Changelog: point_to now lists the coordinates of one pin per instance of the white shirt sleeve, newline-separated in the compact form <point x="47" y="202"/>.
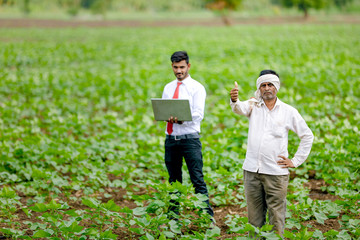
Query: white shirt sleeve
<point x="306" y="136"/>
<point x="198" y="106"/>
<point x="241" y="108"/>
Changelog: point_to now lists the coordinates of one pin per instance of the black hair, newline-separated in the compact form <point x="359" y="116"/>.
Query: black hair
<point x="268" y="71"/>
<point x="179" y="56"/>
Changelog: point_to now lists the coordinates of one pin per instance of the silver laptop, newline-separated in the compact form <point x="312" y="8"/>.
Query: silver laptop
<point x="165" y="108"/>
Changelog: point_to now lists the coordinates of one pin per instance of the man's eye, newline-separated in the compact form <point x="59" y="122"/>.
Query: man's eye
<point x="269" y="85"/>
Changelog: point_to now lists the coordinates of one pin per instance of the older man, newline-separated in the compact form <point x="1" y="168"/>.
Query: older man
<point x="266" y="165"/>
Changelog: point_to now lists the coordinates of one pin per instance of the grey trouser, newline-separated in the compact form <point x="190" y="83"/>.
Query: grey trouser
<point x="266" y="192"/>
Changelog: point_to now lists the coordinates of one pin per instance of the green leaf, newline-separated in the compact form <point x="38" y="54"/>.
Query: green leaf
<point x="266" y="227"/>
<point x="53" y="205"/>
<point x="108" y="235"/>
<point x="202" y="197"/>
<point x="270" y="235"/>
<point x="126" y="210"/>
<point x="318" y="234"/>
<point x="7" y="192"/>
<point x="200" y="204"/>
<point x="154" y="205"/>
<point x="149" y="237"/>
<point x="42" y="234"/>
<point x="111" y="206"/>
<point x="73" y="228"/>
<point x="249" y="227"/>
<point x="72" y="213"/>
<point x="168" y="234"/>
<point x="7" y="231"/>
<point x="304" y="234"/>
<point x="290" y="223"/>
<point x="39" y="207"/>
<point x="331" y="233"/>
<point x="137" y="230"/>
<point x="288" y="234"/>
<point x="215" y="232"/>
<point x="320" y="217"/>
<point x="345" y="218"/>
<point x="91" y="202"/>
<point x="162" y="236"/>
<point x="26" y="211"/>
<point x="139" y="211"/>
<point x="344" y="235"/>
<point x="92" y="231"/>
<point x="175" y="227"/>
<point x="141" y="197"/>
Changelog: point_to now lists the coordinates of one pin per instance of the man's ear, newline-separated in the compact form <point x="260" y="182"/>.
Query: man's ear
<point x="189" y="65"/>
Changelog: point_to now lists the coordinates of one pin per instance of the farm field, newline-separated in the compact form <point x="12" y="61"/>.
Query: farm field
<point x="82" y="157"/>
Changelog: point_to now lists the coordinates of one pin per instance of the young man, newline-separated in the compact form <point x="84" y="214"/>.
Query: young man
<point x="182" y="138"/>
<point x="266" y="173"/>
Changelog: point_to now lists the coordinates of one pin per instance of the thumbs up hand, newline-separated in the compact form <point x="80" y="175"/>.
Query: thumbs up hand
<point x="234" y="93"/>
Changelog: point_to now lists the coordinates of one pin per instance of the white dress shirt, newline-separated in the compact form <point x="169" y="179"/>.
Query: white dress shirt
<point x="195" y="92"/>
<point x="268" y="136"/>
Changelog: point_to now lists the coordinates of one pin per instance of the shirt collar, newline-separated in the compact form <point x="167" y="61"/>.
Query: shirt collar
<point x="277" y="103"/>
<point x="185" y="80"/>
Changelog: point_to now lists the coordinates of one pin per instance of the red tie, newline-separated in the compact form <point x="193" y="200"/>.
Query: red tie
<point x="176" y="96"/>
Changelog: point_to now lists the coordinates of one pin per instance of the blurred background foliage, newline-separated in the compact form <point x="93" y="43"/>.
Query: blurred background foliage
<point x="112" y="9"/>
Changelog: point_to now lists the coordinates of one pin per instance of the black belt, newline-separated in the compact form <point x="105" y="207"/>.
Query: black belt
<point x="185" y="136"/>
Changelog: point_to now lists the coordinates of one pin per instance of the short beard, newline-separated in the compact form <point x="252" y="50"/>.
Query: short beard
<point x="184" y="76"/>
<point x="268" y="97"/>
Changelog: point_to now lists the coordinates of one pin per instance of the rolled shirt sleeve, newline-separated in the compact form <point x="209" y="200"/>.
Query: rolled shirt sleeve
<point x="242" y="108"/>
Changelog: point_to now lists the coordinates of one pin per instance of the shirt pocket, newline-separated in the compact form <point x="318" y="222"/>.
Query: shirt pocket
<point x="278" y="129"/>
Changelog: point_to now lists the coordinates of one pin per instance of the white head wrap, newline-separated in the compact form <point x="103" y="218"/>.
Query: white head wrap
<point x="271" y="78"/>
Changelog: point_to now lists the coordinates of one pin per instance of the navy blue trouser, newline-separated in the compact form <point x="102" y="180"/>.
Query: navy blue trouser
<point x="190" y="150"/>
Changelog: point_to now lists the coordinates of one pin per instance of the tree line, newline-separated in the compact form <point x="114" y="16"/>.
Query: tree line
<point x="223" y="7"/>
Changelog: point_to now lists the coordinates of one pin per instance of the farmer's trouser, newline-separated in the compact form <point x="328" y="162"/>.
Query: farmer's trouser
<point x="266" y="192"/>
